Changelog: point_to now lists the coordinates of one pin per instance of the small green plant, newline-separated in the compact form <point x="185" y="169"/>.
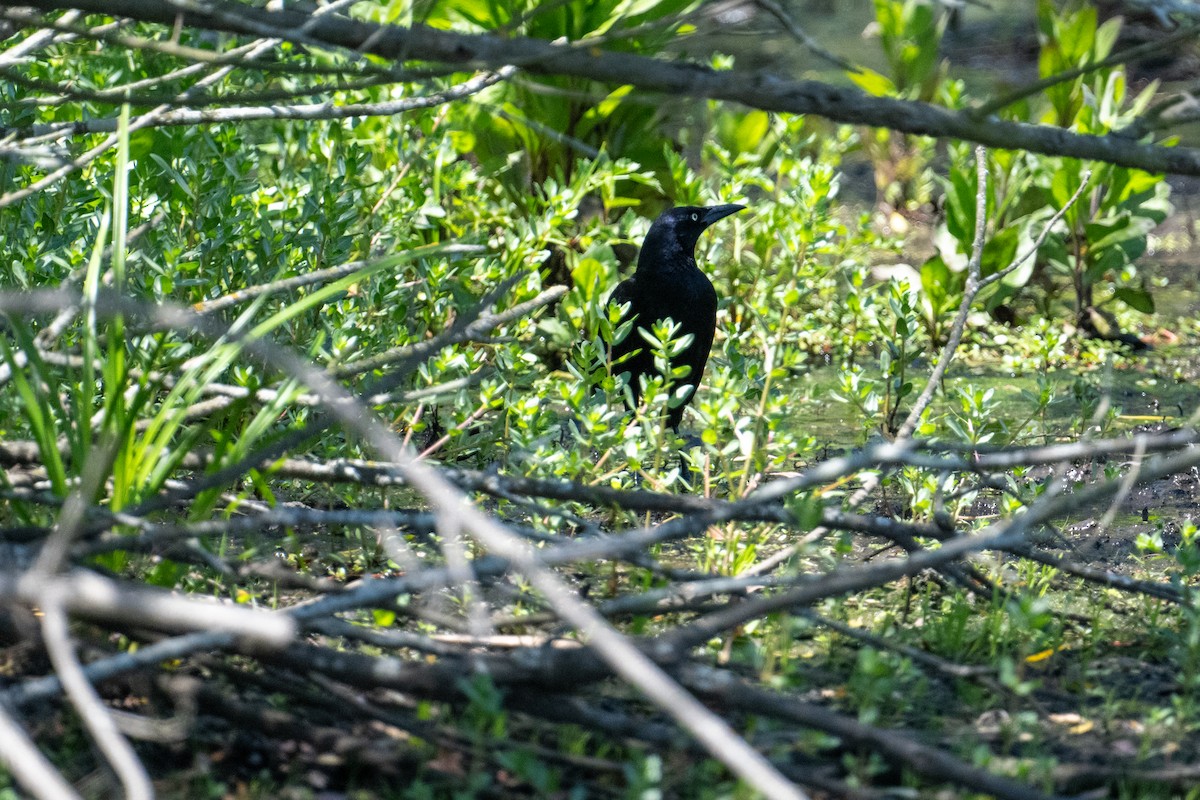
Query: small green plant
<point x="975" y="417"/>
<point x="882" y="686"/>
<point x="883" y="400"/>
<point x="1092" y="253"/>
<point x="910" y="34"/>
<point x="526" y="131"/>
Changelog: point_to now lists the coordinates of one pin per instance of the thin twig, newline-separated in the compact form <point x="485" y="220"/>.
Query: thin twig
<point x="27" y="764"/>
<point x="96" y="718"/>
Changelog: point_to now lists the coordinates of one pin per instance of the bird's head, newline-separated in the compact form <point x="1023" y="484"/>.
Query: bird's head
<point x="677" y="230"/>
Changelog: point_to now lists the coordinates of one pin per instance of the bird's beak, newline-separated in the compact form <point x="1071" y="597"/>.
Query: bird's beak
<point x="714" y="213"/>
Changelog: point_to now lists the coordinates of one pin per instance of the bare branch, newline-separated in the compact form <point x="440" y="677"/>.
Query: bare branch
<point x="970" y="290"/>
<point x="96" y="718"/>
<point x="1125" y="56"/>
<point x="306" y="111"/>
<point x="759" y="89"/>
<point x="94" y="597"/>
<point x="27" y="764"/>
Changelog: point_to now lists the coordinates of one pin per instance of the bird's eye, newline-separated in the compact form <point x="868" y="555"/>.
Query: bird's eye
<point x="695" y="217"/>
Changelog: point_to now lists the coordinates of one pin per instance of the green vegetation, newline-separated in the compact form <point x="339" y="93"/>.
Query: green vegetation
<point x="448" y="267"/>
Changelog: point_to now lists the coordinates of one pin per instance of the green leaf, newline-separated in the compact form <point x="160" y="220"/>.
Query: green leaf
<point x="36" y="404"/>
<point x="936" y="280"/>
<point x="873" y="82"/>
<point x="588" y="277"/>
<point x="960" y="205"/>
<point x="1105" y="38"/>
<point x="1124" y="231"/>
<point x="1000" y="251"/>
<point x="1022" y="240"/>
<point x="1066" y="181"/>
<point x="751" y="130"/>
<point x="1137" y="299"/>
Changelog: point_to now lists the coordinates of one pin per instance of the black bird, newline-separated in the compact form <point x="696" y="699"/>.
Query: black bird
<point x="667" y="283"/>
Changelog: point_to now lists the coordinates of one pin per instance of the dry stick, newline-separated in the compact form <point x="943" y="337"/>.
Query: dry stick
<point x="1187" y="9"/>
<point x="1127" y="484"/>
<point x="179" y="647"/>
<point x="388" y="638"/>
<point x="96" y="717"/>
<point x="796" y="32"/>
<point x="337" y="695"/>
<point x="79" y="162"/>
<point x="71" y="518"/>
<point x="370" y="749"/>
<point x="996" y="458"/>
<point x="1079" y="778"/>
<point x="155" y="535"/>
<point x="531" y="674"/>
<point x="17" y="54"/>
<point x="465" y="329"/>
<point x="110" y="34"/>
<point x="672" y="599"/>
<point x="681" y="640"/>
<point x="393" y="591"/>
<point x="374" y="752"/>
<point x="126" y="93"/>
<point x="958" y="327"/>
<point x="762" y="89"/>
<point x="974" y="284"/>
<point x="621" y="724"/>
<point x="89" y="595"/>
<point x="1176" y="463"/>
<point x="704" y="512"/>
<point x="49" y="595"/>
<point x="950" y="668"/>
<point x="225" y="394"/>
<point x="228" y="395"/>
<point x="26" y="763"/>
<point x="1184" y="111"/>
<point x="142" y="121"/>
<point x="1129" y="54"/>
<point x="1007" y="535"/>
<point x="65" y="316"/>
<point x="977" y="460"/>
<point x="625" y="659"/>
<point x="30" y="154"/>
<point x="37" y="40"/>
<point x="13" y="55"/>
<point x="236" y="57"/>
<point x="615" y="649"/>
<point x="158" y="535"/>
<point x="470" y="420"/>
<point x="121" y="93"/>
<point x="304" y="111"/>
<point x="1124" y="583"/>
<point x="454" y="548"/>
<point x="893" y="745"/>
<point x="468" y="327"/>
<point x="384" y="673"/>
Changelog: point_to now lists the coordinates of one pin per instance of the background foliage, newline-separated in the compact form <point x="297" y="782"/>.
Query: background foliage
<point x="371" y="244"/>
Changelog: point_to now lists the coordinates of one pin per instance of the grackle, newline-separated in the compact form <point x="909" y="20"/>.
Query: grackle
<point x="667" y="283"/>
